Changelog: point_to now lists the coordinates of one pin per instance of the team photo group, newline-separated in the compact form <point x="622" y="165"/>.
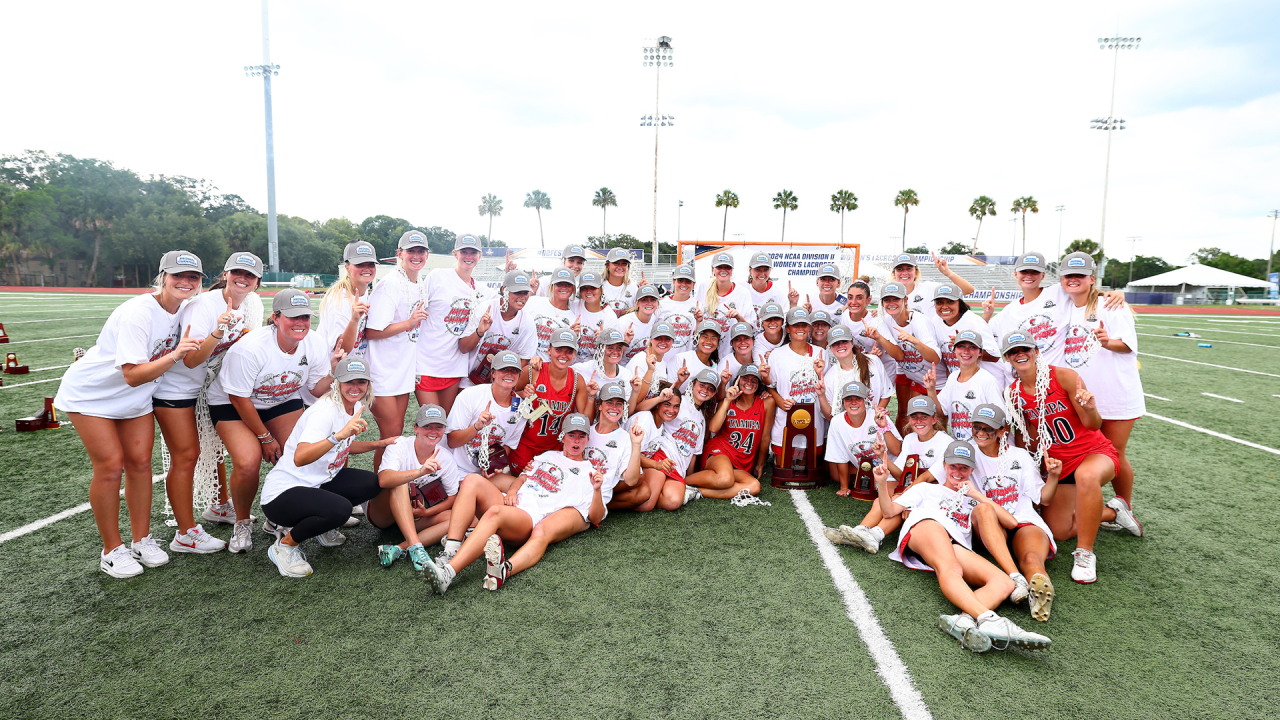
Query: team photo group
<point x="548" y="402"/>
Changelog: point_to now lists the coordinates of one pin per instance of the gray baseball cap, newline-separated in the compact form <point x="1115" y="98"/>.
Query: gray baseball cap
<point x="1016" y="339"/>
<point x="893" y="289"/>
<point x="968" y="336"/>
<point x="562" y="275"/>
<point x="749" y="369"/>
<point x="853" y="388"/>
<point x="359" y="252"/>
<point x="706" y="325"/>
<point x="563" y="339"/>
<point x="820" y="316"/>
<point x="990" y="415"/>
<point x="246" y="261"/>
<point x="430" y="415"/>
<point x="722" y="258"/>
<point x="588" y="279"/>
<point x="760" y="259"/>
<point x="291" y="303"/>
<point x="352" y="368"/>
<point x="466" y="240"/>
<point x="905" y="259"/>
<point x="575" y="422"/>
<point x="516" y="281"/>
<point x="647" y="291"/>
<point x="960" y="453"/>
<point x="922" y="404"/>
<point x="682" y="271"/>
<point x="708" y="376"/>
<point x="412" y="238"/>
<point x="610" y="336"/>
<point x="177" y="261"/>
<point x="830" y="271"/>
<point x="505" y="360"/>
<point x="797" y="316"/>
<point x="948" y="292"/>
<point x="611" y="391"/>
<point x="839" y="333"/>
<point x="1076" y="263"/>
<point x="741" y="330"/>
<point x="618" y="255"/>
<point x="1030" y="261"/>
<point x="572" y="251"/>
<point x="663" y="330"/>
<point x="771" y="310"/>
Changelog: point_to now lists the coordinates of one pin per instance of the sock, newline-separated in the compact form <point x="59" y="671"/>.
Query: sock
<point x="877" y="533"/>
<point x="988" y="615"/>
<point x="451" y="546"/>
<point x="966" y="615"/>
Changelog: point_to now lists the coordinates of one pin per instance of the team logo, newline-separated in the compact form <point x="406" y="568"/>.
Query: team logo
<point x="928" y="453"/>
<point x="546" y="479"/>
<point x="803" y="389"/>
<point x="862" y="450"/>
<point x="1050" y="304"/>
<point x="918" y="298"/>
<point x="612" y="444"/>
<point x="1003" y="490"/>
<point x="960" y="422"/>
<point x="275" y="388"/>
<point x="303" y="362"/>
<point x="299" y="301"/>
<point x="247" y="260"/>
<point x="686" y="437"/>
<point x="1016" y="465"/>
<point x="511" y="419"/>
<point x="163" y="347"/>
<point x="1075" y="340"/>
<point x="597" y="458"/>
<point x="682" y="325"/>
<point x="970" y="396"/>
<point x="573" y="470"/>
<point x="871" y="430"/>
<point x="458" y="316"/>
<point x="190" y="260"/>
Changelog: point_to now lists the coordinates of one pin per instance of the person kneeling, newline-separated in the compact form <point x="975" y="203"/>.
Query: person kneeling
<point x="558" y="497"/>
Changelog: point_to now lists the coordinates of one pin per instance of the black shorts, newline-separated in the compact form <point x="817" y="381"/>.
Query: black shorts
<point x="1070" y="479"/>
<point x="227" y="413"/>
<point x="173" y="404"/>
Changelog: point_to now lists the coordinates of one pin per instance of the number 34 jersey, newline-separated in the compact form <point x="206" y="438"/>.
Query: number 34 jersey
<point x="740" y="436"/>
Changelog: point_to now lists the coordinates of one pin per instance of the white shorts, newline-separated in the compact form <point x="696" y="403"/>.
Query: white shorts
<point x="392" y="366"/>
<point x="535" y="514"/>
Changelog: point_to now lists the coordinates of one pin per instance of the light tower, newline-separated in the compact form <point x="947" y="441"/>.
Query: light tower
<point x="1109" y="123"/>
<point x="266" y="71"/>
<point x="657" y="56"/>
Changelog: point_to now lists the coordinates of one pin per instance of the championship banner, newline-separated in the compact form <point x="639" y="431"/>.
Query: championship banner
<point x="791" y="261"/>
<point x="637" y="256"/>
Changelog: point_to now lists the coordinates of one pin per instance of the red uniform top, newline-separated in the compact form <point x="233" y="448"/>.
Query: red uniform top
<point x="543" y="435"/>
<point x="741" y="435"/>
<point x="1069" y="440"/>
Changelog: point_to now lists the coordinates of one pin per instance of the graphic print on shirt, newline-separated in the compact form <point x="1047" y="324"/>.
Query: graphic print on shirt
<point x="721" y="318"/>
<point x="236" y="328"/>
<point x="804" y="386"/>
<point x="163" y="347"/>
<point x="960" y="419"/>
<point x="1075" y="340"/>
<point x="280" y="385"/>
<point x="492" y="344"/>
<point x="1002" y="489"/>
<point x="340" y="460"/>
<point x="413" y="332"/>
<point x="686" y="437"/>
<point x="458" y="316"/>
<point x="682" y="325"/>
<point x="545" y="480"/>
<point x="1040" y="327"/>
<point x="617" y="305"/>
<point x="545" y="325"/>
<point x="958" y="507"/>
<point x="598" y="459"/>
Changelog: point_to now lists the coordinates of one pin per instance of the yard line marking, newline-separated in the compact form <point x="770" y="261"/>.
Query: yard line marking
<point x="89" y="317"/>
<point x="1214" y="433"/>
<point x="889" y="666"/>
<point x="1224" y="367"/>
<point x="1156" y="397"/>
<point x="1211" y="329"/>
<point x="76" y="302"/>
<point x="34" y="382"/>
<point x="69" y="512"/>
<point x="1228" y="342"/>
<point x="69" y="337"/>
<point x="1222" y="397"/>
<point x="51" y="367"/>
<point x="61" y="310"/>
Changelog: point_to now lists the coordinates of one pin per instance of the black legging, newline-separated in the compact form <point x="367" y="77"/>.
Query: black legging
<point x="315" y="511"/>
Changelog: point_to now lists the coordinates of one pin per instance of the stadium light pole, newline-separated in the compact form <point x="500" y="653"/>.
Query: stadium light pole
<point x="1274" y="215"/>
<point x="1015" y="235"/>
<point x="659" y="55"/>
<point x="1133" y="254"/>
<point x="679" y="210"/>
<point x="1109" y="123"/>
<point x="1059" y="210"/>
<point x="266" y="71"/>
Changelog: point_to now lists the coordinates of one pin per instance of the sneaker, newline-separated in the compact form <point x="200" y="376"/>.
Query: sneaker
<point x="1124" y="516"/>
<point x="447" y="554"/>
<point x="119" y="563"/>
<point x="963" y="628"/>
<point x="1020" y="587"/>
<point x="835" y="536"/>
<point x="289" y="560"/>
<point x="332" y="538"/>
<point x="690" y="493"/>
<point x="1085" y="568"/>
<point x="495" y="561"/>
<point x="860" y="537"/>
<point x="223" y="514"/>
<point x="197" y="541"/>
<point x="388" y="554"/>
<point x="241" y="537"/>
<point x="147" y="551"/>
<point x="438" y="576"/>
<point x="1041" y="597"/>
<point x="418" y="556"/>
<point x="357" y="509"/>
<point x="351" y="521"/>
<point x="271" y="528"/>
<point x="1003" y="633"/>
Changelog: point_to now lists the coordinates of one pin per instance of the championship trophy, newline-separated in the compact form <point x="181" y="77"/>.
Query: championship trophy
<point x="910" y="470"/>
<point x="798" y="468"/>
<point x="863" y="486"/>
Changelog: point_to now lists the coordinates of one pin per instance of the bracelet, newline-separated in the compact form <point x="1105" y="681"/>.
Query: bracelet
<point x="265" y="437"/>
<point x="176" y="358"/>
<point x="219" y="337"/>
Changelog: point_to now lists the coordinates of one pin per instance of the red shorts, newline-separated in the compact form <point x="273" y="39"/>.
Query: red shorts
<point x="659" y="456"/>
<point x="430" y="384"/>
<point x="717" y="446"/>
<point x="902" y="381"/>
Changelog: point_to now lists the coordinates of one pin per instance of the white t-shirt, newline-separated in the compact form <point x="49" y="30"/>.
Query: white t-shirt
<point x="787" y="369"/>
<point x="618" y="297"/>
<point x="921" y="299"/>
<point x="403" y="457"/>
<point x="1017" y="489"/>
<point x="739" y="298"/>
<point x="315" y="425"/>
<point x="138" y="331"/>
<point x="679" y="315"/>
<point x="507" y="424"/>
<point x="592" y="324"/>
<point x="201" y="315"/>
<point x="763" y="345"/>
<point x="555" y="483"/>
<point x="1112" y="377"/>
<point x="850" y="443"/>
<point x="943" y="333"/>
<point x="518" y="335"/>
<point x="835" y="308"/>
<point x="734" y="365"/>
<point x="1041" y="318"/>
<point x="650" y="443"/>
<point x="881" y="385"/>
<point x="640" y="334"/>
<point x="609" y="454"/>
<point x="930" y="501"/>
<point x="393" y="360"/>
<point x="335" y="316"/>
<point x="688" y="358"/>
<point x="587" y="367"/>
<point x="682" y="437"/>
<point x="930" y="451"/>
<point x="451" y="305"/>
<point x="913" y="365"/>
<point x="258" y="369"/>
<point x="547" y="318"/>
<point x="774" y="291"/>
<point x="660" y="372"/>
<point x="959" y="399"/>
<point x="859" y="328"/>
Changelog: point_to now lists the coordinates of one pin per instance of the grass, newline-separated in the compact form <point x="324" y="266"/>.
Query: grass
<point x="709" y="611"/>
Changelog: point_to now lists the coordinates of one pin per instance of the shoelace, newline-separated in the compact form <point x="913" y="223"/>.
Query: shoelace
<point x="1081" y="557"/>
<point x="147" y="543"/>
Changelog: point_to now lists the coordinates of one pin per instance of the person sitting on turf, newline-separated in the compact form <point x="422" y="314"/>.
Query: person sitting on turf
<point x="549" y="384"/>
<point x="559" y="496"/>
<point x="855" y="438"/>
<point x="938" y="536"/>
<point x="419" y="481"/>
<point x="310" y="491"/>
<point x="484" y="423"/>
<point x="682" y="441"/>
<point x="735" y="456"/>
<point x="615" y="451"/>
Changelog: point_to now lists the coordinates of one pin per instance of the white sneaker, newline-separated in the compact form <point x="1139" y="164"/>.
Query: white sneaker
<point x="241" y="537"/>
<point x="351" y="521"/>
<point x="197" y="541"/>
<point x="861" y="537"/>
<point x="835" y="536"/>
<point x="119" y="563"/>
<point x="223" y="514"/>
<point x="1004" y="633"/>
<point x="1020" y="587"/>
<point x="333" y="538"/>
<point x="289" y="560"/>
<point x="690" y="493"/>
<point x="1041" y="597"/>
<point x="1085" y="568"/>
<point x="147" y="551"/>
<point x="357" y="509"/>
<point x="496" y="565"/>
<point x="1124" y="516"/>
<point x="963" y="628"/>
<point x="438" y="576"/>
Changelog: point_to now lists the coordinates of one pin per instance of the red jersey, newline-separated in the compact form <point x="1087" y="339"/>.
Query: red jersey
<point x="543" y="435"/>
<point x="741" y="435"/>
<point x="1069" y="440"/>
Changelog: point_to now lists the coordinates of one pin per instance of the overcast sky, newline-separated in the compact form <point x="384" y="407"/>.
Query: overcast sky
<point x="417" y="110"/>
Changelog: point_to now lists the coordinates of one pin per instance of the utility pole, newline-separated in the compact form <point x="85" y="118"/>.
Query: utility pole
<point x="266" y="71"/>
<point x="1059" y="210"/>
<point x="659" y="55"/>
<point x="1133" y="254"/>
<point x="1272" y="251"/>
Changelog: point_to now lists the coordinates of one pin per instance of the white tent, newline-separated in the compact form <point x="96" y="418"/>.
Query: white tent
<point x="1194" y="281"/>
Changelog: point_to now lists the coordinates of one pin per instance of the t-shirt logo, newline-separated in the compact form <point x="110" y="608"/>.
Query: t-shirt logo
<point x="1016" y="465"/>
<point x="918" y="298"/>
<point x="1074" y="342"/>
<point x="686" y="437"/>
<point x="303" y="361"/>
<point x="597" y="458"/>
<point x="1049" y="304"/>
<point x="277" y="388"/>
<point x="928" y="453"/>
<point x="458" y="316"/>
<point x="547" y="478"/>
<point x="803" y="389"/>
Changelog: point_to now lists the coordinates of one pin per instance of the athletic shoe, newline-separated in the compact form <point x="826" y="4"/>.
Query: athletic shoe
<point x="351" y="521"/>
<point x="1020" y="587"/>
<point x="495" y="562"/>
<point x="1124" y="516"/>
<point x="963" y="628"/>
<point x="388" y="554"/>
<point x="860" y="537"/>
<point x="835" y="536"/>
<point x="241" y="537"/>
<point x="271" y="528"/>
<point x="437" y="576"/>
<point x="119" y="563"/>
<point x="357" y="509"/>
<point x="223" y="514"/>
<point x="147" y="551"/>
<point x="1085" y="568"/>
<point x="1003" y="633"/>
<point x="332" y="538"/>
<point x="690" y="493"/>
<point x="197" y="541"/>
<point x="289" y="560"/>
<point x="447" y="554"/>
<point x="1041" y="597"/>
<point x="419" y="557"/>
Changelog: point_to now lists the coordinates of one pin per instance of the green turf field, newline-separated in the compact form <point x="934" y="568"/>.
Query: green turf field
<point x="711" y="611"/>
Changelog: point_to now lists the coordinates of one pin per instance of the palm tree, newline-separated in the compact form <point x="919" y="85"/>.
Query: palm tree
<point x="982" y="206"/>
<point x="1022" y="205"/>
<point x="490" y="205"/>
<point x="785" y="200"/>
<point x="726" y="199"/>
<point x="843" y="201"/>
<point x="539" y="201"/>
<point x="906" y="198"/>
<point x="604" y="198"/>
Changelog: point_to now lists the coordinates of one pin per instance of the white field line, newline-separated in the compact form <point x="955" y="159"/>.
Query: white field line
<point x="69" y="512"/>
<point x="1222" y="397"/>
<point x="77" y="303"/>
<point x="858" y="609"/>
<point x="1216" y="434"/>
<point x="1210" y="329"/>
<point x="88" y="317"/>
<point x="1157" y="397"/>
<point x="59" y="310"/>
<point x="1264" y="319"/>
<point x="68" y="337"/>
<point x="1224" y="367"/>
<point x="1211" y="340"/>
<point x="51" y="367"/>
<point x="34" y="382"/>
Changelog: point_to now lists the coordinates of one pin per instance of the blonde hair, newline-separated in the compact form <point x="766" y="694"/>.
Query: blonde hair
<point x="346" y="285"/>
<point x="626" y="277"/>
<point x="157" y="284"/>
<point x="712" y="300"/>
<point x="335" y="394"/>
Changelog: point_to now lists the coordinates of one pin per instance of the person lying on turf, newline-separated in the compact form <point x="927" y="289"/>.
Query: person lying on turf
<point x="938" y="536"/>
<point x="559" y="496"/>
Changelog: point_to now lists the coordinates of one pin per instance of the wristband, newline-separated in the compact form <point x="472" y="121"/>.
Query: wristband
<point x="333" y="438"/>
<point x="219" y="337"/>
